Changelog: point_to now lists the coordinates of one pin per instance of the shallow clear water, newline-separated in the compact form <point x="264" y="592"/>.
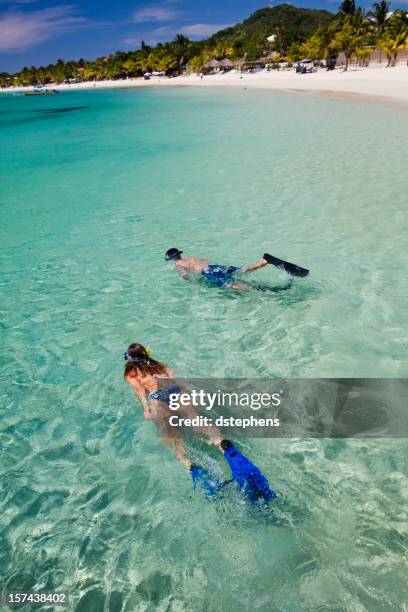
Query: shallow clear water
<point x="95" y="187"/>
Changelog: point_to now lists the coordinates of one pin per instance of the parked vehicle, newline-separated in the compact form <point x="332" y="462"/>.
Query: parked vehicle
<point x="305" y="66"/>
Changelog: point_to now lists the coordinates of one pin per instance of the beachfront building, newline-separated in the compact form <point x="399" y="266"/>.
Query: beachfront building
<point x="374" y="57"/>
<point x="226" y="64"/>
<point x="378" y="56"/>
<point x="214" y="66"/>
<point x="211" y="67"/>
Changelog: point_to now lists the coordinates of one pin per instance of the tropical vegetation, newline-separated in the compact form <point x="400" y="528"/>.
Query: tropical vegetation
<point x="299" y="33"/>
<point x="355" y="34"/>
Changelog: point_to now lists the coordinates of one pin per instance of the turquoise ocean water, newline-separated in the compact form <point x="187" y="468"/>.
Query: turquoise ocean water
<point x="95" y="186"/>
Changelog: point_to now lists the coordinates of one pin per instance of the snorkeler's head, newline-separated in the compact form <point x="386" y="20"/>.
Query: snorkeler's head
<point x="173" y="254"/>
<point x="139" y="362"/>
<point x="136" y="352"/>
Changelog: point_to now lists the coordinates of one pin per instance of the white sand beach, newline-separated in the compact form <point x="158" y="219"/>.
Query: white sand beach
<point x="383" y="84"/>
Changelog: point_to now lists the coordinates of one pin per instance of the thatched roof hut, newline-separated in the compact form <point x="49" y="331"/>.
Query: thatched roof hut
<point x="212" y="64"/>
<point x="226" y="63"/>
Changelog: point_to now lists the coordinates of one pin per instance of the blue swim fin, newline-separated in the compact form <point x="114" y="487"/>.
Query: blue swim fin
<point x="249" y="478"/>
<point x="201" y="477"/>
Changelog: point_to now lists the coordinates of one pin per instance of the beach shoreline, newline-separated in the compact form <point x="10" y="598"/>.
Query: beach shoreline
<point x="379" y="84"/>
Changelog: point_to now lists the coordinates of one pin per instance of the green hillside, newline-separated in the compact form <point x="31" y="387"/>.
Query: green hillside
<point x="294" y="24"/>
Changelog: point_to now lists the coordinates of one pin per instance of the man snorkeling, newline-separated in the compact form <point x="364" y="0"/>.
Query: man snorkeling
<point x="222" y="275"/>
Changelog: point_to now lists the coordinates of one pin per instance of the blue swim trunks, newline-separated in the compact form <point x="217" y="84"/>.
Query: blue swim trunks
<point x="221" y="276"/>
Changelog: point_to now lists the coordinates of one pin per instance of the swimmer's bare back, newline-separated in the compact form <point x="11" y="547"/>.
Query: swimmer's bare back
<point x="145" y="384"/>
<point x="191" y="265"/>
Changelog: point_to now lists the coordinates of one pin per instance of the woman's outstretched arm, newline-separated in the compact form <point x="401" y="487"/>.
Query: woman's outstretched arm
<point x="141" y="395"/>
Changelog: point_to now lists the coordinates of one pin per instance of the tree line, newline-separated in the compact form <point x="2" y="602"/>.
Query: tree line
<point x="355" y="33"/>
<point x="300" y="33"/>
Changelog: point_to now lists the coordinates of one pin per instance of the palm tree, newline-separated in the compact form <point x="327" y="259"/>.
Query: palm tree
<point x="143" y="63"/>
<point x="359" y="22"/>
<point x="24" y="77"/>
<point x="5" y="79"/>
<point x="196" y="63"/>
<point x="398" y="21"/>
<point x="167" y="63"/>
<point x="379" y="15"/>
<point x="348" y="40"/>
<point x="222" y="49"/>
<point x="348" y="7"/>
<point x="129" y="66"/>
<point x="311" y="48"/>
<point x="88" y="72"/>
<point x="113" y="70"/>
<point x="181" y="40"/>
<point x="393" y="43"/>
<point x="59" y="72"/>
<point x="363" y="54"/>
<point x="323" y="41"/>
<point x="99" y="67"/>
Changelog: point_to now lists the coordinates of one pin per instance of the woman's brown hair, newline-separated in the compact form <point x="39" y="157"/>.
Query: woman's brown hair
<point x="139" y="362"/>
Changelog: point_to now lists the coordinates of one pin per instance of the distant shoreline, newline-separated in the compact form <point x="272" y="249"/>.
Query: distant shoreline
<point x="381" y="84"/>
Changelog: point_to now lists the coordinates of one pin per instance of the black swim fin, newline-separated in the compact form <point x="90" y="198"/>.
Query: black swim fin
<point x="290" y="268"/>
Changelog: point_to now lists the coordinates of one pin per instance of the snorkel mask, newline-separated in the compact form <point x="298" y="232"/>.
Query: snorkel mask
<point x="138" y="357"/>
<point x="172" y="254"/>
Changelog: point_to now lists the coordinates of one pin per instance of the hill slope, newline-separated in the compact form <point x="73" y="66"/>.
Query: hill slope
<point x="294" y="25"/>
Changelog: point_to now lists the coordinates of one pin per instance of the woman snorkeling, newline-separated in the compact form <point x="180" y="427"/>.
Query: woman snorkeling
<point x="147" y="377"/>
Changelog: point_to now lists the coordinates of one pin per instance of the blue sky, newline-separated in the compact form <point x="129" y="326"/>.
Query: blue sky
<point x="37" y="32"/>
